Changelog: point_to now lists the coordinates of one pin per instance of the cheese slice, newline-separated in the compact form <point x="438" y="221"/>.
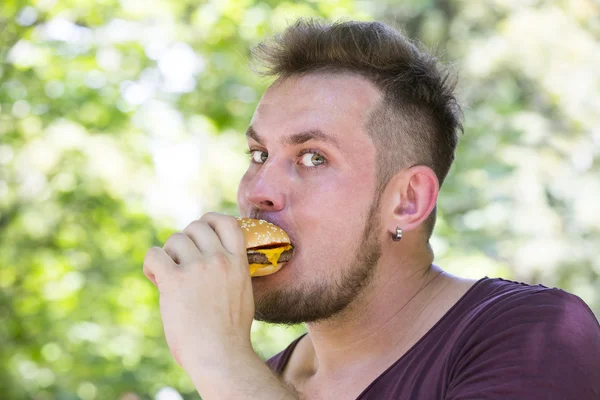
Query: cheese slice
<point x="273" y="254"/>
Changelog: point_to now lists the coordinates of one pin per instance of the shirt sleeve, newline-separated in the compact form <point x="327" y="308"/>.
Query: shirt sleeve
<point x="545" y="345"/>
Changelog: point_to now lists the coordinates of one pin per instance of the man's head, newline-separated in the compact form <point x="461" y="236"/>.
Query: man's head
<point x="353" y="139"/>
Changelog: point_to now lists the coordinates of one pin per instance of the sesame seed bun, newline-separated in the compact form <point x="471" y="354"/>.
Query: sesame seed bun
<point x="268" y="246"/>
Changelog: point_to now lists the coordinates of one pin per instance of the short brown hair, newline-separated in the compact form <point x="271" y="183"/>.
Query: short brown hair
<point x="418" y="119"/>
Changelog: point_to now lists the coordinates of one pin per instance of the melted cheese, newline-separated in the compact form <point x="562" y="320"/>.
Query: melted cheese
<point x="254" y="267"/>
<point x="271" y="254"/>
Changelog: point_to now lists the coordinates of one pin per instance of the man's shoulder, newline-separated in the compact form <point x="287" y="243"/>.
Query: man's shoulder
<point x="522" y="309"/>
<point x="527" y="341"/>
<point x="507" y="297"/>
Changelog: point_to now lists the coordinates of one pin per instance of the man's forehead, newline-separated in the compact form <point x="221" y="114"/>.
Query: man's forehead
<point x="289" y="126"/>
<point x="334" y="92"/>
<point x="332" y="110"/>
<point x="331" y="104"/>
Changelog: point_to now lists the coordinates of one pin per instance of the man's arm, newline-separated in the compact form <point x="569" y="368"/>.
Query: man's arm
<point x="543" y="346"/>
<point x="246" y="377"/>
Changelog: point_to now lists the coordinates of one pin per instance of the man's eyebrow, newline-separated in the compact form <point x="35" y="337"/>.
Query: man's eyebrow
<point x="297" y="138"/>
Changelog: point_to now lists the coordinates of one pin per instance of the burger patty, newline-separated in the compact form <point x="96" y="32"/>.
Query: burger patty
<point x="259" y="258"/>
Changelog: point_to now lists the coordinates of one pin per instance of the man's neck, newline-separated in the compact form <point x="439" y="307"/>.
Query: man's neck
<point x="386" y="318"/>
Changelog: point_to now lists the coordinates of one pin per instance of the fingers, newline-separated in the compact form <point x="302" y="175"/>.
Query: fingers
<point x="228" y="231"/>
<point x="203" y="236"/>
<point x="157" y="264"/>
<point x="213" y="233"/>
<point x="181" y="248"/>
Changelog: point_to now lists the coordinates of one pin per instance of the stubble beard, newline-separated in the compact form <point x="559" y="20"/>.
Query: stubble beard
<point x="322" y="300"/>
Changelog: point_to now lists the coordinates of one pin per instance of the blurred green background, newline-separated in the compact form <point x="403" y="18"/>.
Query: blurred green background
<point x="122" y="120"/>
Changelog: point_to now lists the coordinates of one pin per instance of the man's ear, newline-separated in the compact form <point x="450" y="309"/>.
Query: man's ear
<point x="409" y="198"/>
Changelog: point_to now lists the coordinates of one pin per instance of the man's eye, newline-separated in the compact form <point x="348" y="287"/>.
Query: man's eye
<point x="312" y="159"/>
<point x="258" y="156"/>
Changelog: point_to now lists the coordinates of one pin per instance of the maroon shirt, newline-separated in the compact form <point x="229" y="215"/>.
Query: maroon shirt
<point x="501" y="340"/>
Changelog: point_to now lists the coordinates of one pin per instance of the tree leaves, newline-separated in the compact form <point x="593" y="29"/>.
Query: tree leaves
<point x="99" y="100"/>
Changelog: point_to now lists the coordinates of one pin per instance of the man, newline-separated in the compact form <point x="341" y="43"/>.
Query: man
<point x="349" y="148"/>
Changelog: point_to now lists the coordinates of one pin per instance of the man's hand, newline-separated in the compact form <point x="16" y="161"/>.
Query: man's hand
<point x="206" y="299"/>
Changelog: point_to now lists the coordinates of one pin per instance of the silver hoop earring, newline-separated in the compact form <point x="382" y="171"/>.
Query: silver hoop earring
<point x="398" y="235"/>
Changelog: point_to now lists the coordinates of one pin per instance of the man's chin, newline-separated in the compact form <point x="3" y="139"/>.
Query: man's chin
<point x="282" y="298"/>
<point x="289" y="301"/>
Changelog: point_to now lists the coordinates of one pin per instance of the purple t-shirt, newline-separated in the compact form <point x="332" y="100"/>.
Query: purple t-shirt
<point x="501" y="340"/>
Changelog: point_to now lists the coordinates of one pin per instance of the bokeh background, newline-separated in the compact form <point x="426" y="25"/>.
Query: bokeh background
<point x="123" y="120"/>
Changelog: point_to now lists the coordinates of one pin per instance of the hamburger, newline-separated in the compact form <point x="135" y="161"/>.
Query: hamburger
<point x="267" y="246"/>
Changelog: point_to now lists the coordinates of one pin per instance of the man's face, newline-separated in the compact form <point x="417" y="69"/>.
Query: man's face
<point x="321" y="191"/>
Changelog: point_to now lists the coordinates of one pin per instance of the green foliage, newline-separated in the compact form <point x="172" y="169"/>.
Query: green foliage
<point x="90" y="92"/>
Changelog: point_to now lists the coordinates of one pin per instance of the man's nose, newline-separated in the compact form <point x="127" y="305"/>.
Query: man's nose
<point x="267" y="191"/>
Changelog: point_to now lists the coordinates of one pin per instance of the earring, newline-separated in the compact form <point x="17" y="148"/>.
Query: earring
<point x="398" y="235"/>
